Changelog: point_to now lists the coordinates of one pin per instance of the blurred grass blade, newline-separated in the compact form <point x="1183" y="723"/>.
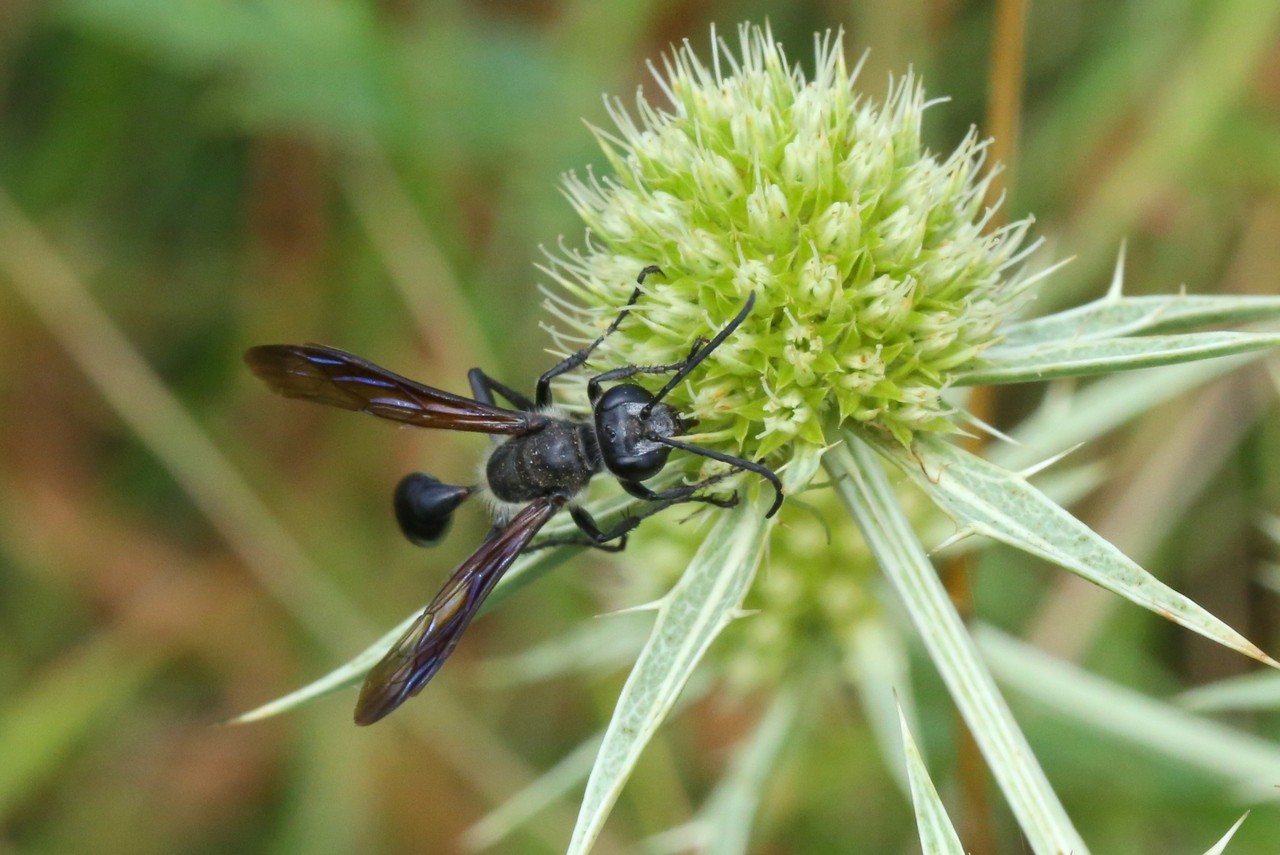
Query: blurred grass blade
<point x="143" y="403"/>
<point x="862" y="484"/>
<point x="1253" y="692"/>
<point x="69" y="699"/>
<point x="880" y="666"/>
<point x="546" y="789"/>
<point x="1270" y="526"/>
<point x="554" y="784"/>
<point x="937" y="834"/>
<point x="727" y="818"/>
<point x="608" y="643"/>
<point x="1221" y="846"/>
<point x="1072" y="693"/>
<point x="1204" y="84"/>
<point x="1270" y="577"/>
<point x="415" y="263"/>
<point x="1114" y="317"/>
<point x="1073" y="358"/>
<point x="706" y="599"/>
<point x="328" y="804"/>
<point x="1002" y="505"/>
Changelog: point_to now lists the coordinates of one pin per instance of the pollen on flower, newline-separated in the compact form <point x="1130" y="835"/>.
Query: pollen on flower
<point x="875" y="273"/>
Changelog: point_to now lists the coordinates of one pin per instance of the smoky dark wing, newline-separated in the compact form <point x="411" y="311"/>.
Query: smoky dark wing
<point x="420" y="652"/>
<point x="330" y="376"/>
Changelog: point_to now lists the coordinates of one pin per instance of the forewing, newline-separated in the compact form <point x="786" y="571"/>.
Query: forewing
<point x="330" y="376"/>
<point x="420" y="652"/>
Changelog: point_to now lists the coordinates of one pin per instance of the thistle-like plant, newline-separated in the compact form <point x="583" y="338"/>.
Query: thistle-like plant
<point x="882" y="291"/>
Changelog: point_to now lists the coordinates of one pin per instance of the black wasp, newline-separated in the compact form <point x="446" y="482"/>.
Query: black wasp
<point x="540" y="461"/>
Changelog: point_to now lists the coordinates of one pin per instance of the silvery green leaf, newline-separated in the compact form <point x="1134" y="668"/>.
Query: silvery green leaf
<point x="1254" y="692"/>
<point x="1067" y="418"/>
<point x="605" y="644"/>
<point x="551" y="785"/>
<point x="1086" y="357"/>
<point x="1113" y="317"/>
<point x="1001" y="505"/>
<point x="862" y="484"/>
<point x="1072" y="693"/>
<point x="1221" y="846"/>
<point x="706" y="599"/>
<point x="937" y="834"/>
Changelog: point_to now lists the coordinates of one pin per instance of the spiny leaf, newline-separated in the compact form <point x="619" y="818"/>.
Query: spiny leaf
<point x="937" y="834"/>
<point x="862" y="484"/>
<point x="1112" y="317"/>
<point x="708" y="596"/>
<point x="1002" y="505"/>
<point x="1076" y="358"/>
<point x="1073" y="693"/>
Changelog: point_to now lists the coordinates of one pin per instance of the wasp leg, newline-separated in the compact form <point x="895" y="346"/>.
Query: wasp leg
<point x="591" y="534"/>
<point x="597" y="538"/>
<point x="483" y="388"/>
<point x="543" y="394"/>
<point x="737" y="463"/>
<point x="682" y="494"/>
<point x="593" y="385"/>
<point x="658" y="502"/>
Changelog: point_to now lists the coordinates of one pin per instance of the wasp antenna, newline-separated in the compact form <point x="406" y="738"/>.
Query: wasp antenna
<point x="738" y="462"/>
<point x="694" y="360"/>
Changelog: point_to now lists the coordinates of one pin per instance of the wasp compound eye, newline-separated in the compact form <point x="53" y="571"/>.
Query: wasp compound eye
<point x="424" y="507"/>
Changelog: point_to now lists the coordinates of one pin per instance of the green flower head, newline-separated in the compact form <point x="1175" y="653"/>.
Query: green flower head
<point x="874" y="270"/>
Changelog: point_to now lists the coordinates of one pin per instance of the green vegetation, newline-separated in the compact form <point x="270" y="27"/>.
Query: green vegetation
<point x="179" y="180"/>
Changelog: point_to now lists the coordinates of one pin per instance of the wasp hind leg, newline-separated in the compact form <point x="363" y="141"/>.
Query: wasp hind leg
<point x="591" y="534"/>
<point x="484" y="388"/>
<point x="614" y="538"/>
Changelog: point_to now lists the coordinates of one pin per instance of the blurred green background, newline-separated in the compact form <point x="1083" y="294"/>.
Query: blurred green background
<point x="185" y="178"/>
